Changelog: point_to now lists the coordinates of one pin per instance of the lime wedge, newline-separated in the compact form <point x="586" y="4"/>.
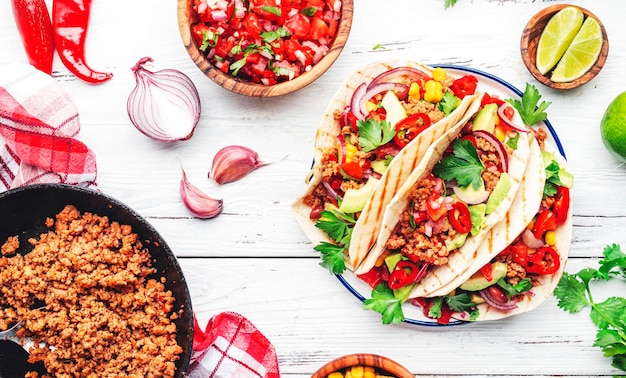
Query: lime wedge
<point x="581" y="54"/>
<point x="557" y="36"/>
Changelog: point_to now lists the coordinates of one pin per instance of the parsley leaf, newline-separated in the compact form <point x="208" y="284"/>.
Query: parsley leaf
<point x="384" y="302"/>
<point x="337" y="225"/>
<point x="449" y="3"/>
<point x="513" y="290"/>
<point x="274" y="10"/>
<point x="309" y="11"/>
<point x="552" y="179"/>
<point x="463" y="164"/>
<point x="374" y="133"/>
<point x="333" y="257"/>
<point x="448" y="103"/>
<point x="574" y="294"/>
<point x="528" y="109"/>
<point x="271" y="36"/>
<point x="512" y="142"/>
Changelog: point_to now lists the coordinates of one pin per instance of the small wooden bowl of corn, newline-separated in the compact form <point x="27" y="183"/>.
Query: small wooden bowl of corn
<point x="362" y="365"/>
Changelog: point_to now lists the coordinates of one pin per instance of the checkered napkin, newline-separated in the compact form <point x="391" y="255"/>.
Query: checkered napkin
<point x="231" y="347"/>
<point x="38" y="123"/>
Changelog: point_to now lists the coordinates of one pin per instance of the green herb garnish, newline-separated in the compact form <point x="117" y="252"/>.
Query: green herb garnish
<point x="448" y="103"/>
<point x="374" y="133"/>
<point x="337" y="225"/>
<point x="309" y="11"/>
<point x="574" y="294"/>
<point x="333" y="257"/>
<point x="271" y="36"/>
<point x="463" y="165"/>
<point x="528" y="108"/>
<point x="449" y="3"/>
<point x="273" y="10"/>
<point x="384" y="302"/>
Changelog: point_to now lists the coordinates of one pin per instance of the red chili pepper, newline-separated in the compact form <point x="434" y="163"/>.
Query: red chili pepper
<point x="410" y="127"/>
<point x="520" y="254"/>
<point x="544" y="261"/>
<point x="372" y="277"/>
<point x="33" y="22"/>
<point x="403" y="274"/>
<point x="490" y="100"/>
<point x="546" y="221"/>
<point x="70" y="19"/>
<point x="561" y="205"/>
<point x="486" y="272"/>
<point x="459" y="217"/>
<point x="464" y="86"/>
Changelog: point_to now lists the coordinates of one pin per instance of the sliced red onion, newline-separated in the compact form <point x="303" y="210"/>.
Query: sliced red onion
<point x="530" y="240"/>
<point x="164" y="105"/>
<point x="343" y="117"/>
<point x="489" y="137"/>
<point x="198" y="203"/>
<point x="428" y="228"/>
<point x="342" y="144"/>
<point x="515" y="122"/>
<point x="491" y="301"/>
<point x="219" y="15"/>
<point x="422" y="272"/>
<point x="393" y="75"/>
<point x="356" y="101"/>
<point x="331" y="192"/>
<point x="379" y="88"/>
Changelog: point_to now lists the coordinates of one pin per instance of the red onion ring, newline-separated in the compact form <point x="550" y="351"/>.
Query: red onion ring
<point x="421" y="272"/>
<point x="492" y="302"/>
<point x="376" y="89"/>
<point x="530" y="240"/>
<point x="512" y="123"/>
<point x="331" y="192"/>
<point x="356" y="101"/>
<point x="342" y="143"/>
<point x="413" y="74"/>
<point x="489" y="137"/>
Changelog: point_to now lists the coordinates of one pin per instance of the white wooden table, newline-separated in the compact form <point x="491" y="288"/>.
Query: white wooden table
<point x="254" y="259"/>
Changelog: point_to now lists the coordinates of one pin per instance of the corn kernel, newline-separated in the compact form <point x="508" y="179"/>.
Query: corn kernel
<point x="369" y="372"/>
<point x="439" y="74"/>
<point x="335" y="375"/>
<point x="550" y="238"/>
<point x="348" y="374"/>
<point x="370" y="106"/>
<point x="357" y="372"/>
<point x="350" y="151"/>
<point x="433" y="91"/>
<point x="415" y="91"/>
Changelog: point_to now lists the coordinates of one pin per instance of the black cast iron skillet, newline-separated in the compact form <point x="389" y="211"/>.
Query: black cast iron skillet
<point x="23" y="212"/>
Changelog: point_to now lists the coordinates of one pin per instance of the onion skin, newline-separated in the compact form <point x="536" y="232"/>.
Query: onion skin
<point x="164" y="105"/>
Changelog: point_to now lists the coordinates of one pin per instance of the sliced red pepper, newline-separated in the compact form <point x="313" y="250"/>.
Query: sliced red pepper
<point x="464" y="86"/>
<point x="459" y="217"/>
<point x="490" y="100"/>
<point x="561" y="205"/>
<point x="544" y="261"/>
<point x="410" y="127"/>
<point x="372" y="277"/>
<point x="546" y="221"/>
<point x="486" y="272"/>
<point x="519" y="254"/>
<point x="70" y="19"/>
<point x="403" y="274"/>
<point x="352" y="169"/>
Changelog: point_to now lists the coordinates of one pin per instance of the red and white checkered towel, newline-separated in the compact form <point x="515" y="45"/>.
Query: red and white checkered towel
<point x="232" y="347"/>
<point x="38" y="123"/>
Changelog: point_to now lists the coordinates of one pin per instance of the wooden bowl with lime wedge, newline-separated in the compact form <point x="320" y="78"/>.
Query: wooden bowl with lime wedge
<point x="530" y="41"/>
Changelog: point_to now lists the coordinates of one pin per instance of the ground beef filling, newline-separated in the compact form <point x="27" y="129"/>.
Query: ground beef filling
<point x="412" y="241"/>
<point x="103" y="315"/>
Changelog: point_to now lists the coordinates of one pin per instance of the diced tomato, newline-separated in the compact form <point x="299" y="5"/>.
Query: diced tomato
<point x="464" y="86"/>
<point x="353" y="169"/>
<point x="252" y="24"/>
<point x="299" y="25"/>
<point x="486" y="272"/>
<point x="372" y="277"/>
<point x="319" y="29"/>
<point x="490" y="100"/>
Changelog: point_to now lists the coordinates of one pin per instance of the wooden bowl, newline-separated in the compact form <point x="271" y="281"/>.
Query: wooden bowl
<point x="384" y="364"/>
<point x="530" y="40"/>
<point x="187" y="17"/>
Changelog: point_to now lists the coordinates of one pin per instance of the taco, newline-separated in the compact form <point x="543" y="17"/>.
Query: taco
<point x="462" y="188"/>
<point x="522" y="259"/>
<point x="374" y="132"/>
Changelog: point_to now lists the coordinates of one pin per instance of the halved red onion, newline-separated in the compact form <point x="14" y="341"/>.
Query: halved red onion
<point x="164" y="105"/>
<point x="376" y="89"/>
<point x="489" y="137"/>
<point x="491" y="301"/>
<point x="515" y="122"/>
<point x="356" y="101"/>
<point x="413" y="74"/>
<point x="530" y="240"/>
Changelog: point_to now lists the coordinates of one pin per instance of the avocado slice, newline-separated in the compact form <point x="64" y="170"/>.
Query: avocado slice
<point x="478" y="281"/>
<point x="477" y="215"/>
<point x="498" y="193"/>
<point x="354" y="200"/>
<point x="471" y="195"/>
<point x="379" y="166"/>
<point x="566" y="178"/>
<point x="392" y="260"/>
<point x="393" y="107"/>
<point x="456" y="242"/>
<point x="402" y="293"/>
<point x="485" y="119"/>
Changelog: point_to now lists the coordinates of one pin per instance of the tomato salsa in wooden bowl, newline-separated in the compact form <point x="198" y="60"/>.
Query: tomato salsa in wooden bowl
<point x="264" y="48"/>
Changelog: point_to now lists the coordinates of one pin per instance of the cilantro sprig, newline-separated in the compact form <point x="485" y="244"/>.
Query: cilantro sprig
<point x="338" y="226"/>
<point x="529" y="107"/>
<point x="574" y="294"/>
<point x="386" y="303"/>
<point x="449" y="3"/>
<point x="448" y="103"/>
<point x="463" y="164"/>
<point x="374" y="133"/>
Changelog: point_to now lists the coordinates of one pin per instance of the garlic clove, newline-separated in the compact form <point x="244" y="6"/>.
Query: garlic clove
<point x="231" y="163"/>
<point x="198" y="203"/>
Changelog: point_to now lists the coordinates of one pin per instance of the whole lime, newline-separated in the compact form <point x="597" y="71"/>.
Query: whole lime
<point x="613" y="127"/>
